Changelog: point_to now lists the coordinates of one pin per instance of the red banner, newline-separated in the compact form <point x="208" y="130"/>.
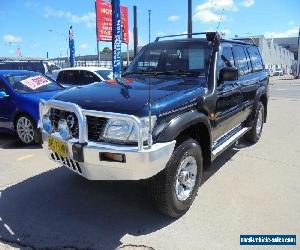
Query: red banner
<point x="104" y="21"/>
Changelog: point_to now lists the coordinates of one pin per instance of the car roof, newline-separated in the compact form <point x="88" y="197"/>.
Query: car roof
<point x="7" y="71"/>
<point x="86" y="68"/>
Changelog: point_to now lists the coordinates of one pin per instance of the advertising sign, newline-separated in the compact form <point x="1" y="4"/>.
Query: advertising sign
<point x="104" y="21"/>
<point x="35" y="82"/>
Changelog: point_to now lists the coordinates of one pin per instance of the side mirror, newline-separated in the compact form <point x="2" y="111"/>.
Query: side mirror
<point x="3" y="95"/>
<point x="229" y="74"/>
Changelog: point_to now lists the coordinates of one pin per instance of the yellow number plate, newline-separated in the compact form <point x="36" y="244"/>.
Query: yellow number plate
<point x="58" y="147"/>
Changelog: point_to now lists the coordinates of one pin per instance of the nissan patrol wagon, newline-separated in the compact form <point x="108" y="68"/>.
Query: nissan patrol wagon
<point x="179" y="105"/>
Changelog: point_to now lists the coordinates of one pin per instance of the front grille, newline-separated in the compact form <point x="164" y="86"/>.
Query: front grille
<point x="96" y="125"/>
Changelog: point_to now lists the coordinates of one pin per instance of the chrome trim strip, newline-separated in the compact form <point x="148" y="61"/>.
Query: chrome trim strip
<point x="232" y="139"/>
<point x="228" y="132"/>
<point x="82" y="113"/>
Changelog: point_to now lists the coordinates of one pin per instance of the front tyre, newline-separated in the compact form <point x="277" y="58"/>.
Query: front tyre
<point x="174" y="189"/>
<point x="25" y="129"/>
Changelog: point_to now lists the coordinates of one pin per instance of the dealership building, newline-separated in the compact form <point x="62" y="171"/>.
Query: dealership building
<point x="278" y="53"/>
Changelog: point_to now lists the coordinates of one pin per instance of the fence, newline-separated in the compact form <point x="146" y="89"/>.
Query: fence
<point x="85" y="63"/>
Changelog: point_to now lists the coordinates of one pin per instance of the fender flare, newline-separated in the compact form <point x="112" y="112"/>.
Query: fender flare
<point x="262" y="91"/>
<point x="182" y="122"/>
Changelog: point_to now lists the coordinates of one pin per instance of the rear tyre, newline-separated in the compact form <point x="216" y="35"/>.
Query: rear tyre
<point x="25" y="128"/>
<point x="254" y="134"/>
<point x="174" y="189"/>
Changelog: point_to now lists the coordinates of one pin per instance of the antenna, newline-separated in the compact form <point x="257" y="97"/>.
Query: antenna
<point x="150" y="142"/>
<point x="221" y="17"/>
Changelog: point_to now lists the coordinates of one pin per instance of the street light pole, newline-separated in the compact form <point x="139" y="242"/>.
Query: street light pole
<point x="190" y="23"/>
<point x="149" y="14"/>
<point x="63" y="35"/>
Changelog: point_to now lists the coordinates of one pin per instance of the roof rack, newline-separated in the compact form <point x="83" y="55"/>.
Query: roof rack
<point x="210" y="36"/>
<point x="245" y="38"/>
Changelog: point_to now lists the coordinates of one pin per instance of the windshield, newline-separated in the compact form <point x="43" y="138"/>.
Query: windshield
<point x="173" y="57"/>
<point x="31" y="82"/>
<point x="106" y="74"/>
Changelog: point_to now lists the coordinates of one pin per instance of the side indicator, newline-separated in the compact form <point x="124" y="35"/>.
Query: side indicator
<point x="212" y="116"/>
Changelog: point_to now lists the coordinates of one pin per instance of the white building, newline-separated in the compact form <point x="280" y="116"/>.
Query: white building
<point x="274" y="55"/>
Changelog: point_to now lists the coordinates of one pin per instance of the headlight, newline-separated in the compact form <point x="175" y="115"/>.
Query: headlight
<point x="46" y="123"/>
<point x="126" y="131"/>
<point x="63" y="129"/>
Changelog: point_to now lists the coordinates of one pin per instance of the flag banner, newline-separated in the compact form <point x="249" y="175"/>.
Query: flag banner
<point x="104" y="21"/>
<point x="116" y="38"/>
<point x="72" y="47"/>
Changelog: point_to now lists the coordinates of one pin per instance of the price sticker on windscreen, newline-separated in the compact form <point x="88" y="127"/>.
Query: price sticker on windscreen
<point x="35" y="82"/>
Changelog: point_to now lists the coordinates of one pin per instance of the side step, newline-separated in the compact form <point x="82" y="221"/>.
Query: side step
<point x="221" y="147"/>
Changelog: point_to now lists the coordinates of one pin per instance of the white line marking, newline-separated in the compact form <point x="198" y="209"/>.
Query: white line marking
<point x="24" y="157"/>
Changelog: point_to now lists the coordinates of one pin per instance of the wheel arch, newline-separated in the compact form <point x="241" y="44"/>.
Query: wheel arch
<point x="192" y="124"/>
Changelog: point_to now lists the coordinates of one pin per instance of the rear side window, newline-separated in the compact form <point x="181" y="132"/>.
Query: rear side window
<point x="226" y="58"/>
<point x="71" y="77"/>
<point x="255" y="58"/>
<point x="242" y="60"/>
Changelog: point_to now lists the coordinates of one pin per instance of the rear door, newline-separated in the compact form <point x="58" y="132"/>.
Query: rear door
<point x="246" y="81"/>
<point x="229" y="97"/>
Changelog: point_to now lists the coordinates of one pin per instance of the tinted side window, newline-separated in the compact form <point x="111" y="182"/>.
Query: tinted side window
<point x="255" y="58"/>
<point x="71" y="77"/>
<point x="242" y="60"/>
<point x="226" y="58"/>
<point x="89" y="77"/>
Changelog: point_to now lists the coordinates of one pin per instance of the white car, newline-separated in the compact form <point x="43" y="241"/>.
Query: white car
<point x="278" y="72"/>
<point x="69" y="77"/>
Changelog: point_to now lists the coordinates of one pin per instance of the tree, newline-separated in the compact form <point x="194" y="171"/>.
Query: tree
<point x="106" y="50"/>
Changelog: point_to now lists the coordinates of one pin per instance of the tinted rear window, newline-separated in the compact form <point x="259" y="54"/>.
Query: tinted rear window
<point x="242" y="60"/>
<point x="255" y="58"/>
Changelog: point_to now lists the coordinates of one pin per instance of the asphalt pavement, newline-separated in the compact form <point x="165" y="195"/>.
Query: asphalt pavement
<point x="250" y="189"/>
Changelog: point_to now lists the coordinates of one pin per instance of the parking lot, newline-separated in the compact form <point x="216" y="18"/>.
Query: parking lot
<point x="250" y="189"/>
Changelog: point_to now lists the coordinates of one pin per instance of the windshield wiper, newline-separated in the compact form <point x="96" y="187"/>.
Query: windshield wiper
<point x="178" y="72"/>
<point x="139" y="72"/>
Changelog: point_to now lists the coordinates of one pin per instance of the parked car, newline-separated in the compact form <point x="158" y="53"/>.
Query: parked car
<point x="81" y="75"/>
<point x="270" y="72"/>
<point x="180" y="104"/>
<point x="20" y="94"/>
<point x="43" y="67"/>
<point x="278" y="72"/>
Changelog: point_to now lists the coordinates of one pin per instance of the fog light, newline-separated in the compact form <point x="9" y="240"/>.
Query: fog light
<point x="47" y="126"/>
<point x="63" y="129"/>
<point x="112" y="157"/>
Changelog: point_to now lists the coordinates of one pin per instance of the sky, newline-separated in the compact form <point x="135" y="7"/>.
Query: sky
<point x="41" y="26"/>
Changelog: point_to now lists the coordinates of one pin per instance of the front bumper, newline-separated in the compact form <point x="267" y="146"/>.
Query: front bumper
<point x="140" y="164"/>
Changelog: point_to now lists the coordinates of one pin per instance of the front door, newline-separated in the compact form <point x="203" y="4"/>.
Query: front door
<point x="6" y="109"/>
<point x="229" y="98"/>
